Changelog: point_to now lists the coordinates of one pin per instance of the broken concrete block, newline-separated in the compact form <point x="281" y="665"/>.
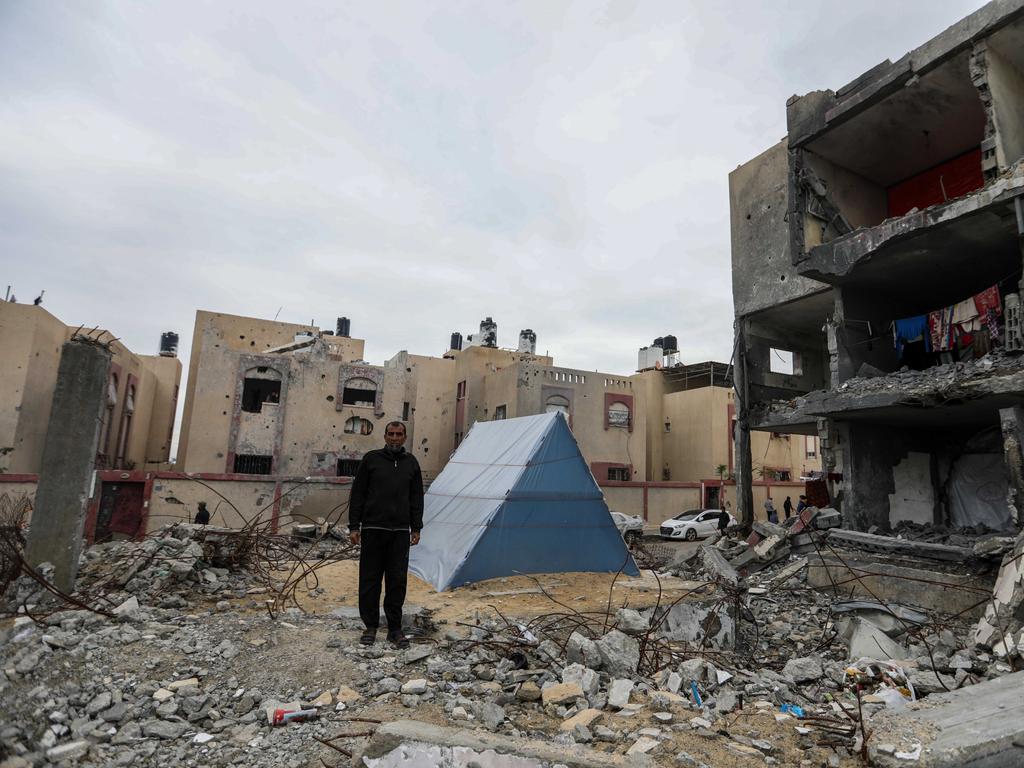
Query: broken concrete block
<point x="587" y="679"/>
<point x="865" y="639"/>
<point x="585" y="718"/>
<point x="803" y="670"/>
<point x="620" y="653"/>
<point x="770" y="530"/>
<point x="715" y="563"/>
<point x="710" y="622"/>
<point x="582" y="650"/>
<point x="560" y="693"/>
<point x="619" y="692"/>
<point x="1002" y="612"/>
<point x="631" y="622"/>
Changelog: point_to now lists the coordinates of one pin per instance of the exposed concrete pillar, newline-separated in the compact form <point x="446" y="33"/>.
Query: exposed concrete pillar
<point x="744" y="465"/>
<point x="1012" y="422"/>
<point x="69" y="458"/>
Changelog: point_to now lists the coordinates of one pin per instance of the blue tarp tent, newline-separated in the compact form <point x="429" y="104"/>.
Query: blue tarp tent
<point x="516" y="497"/>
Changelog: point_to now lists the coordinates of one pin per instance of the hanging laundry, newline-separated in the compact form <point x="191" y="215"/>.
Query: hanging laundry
<point x="940" y="329"/>
<point x="988" y="299"/>
<point x="966" y="316"/>
<point x="911" y="329"/>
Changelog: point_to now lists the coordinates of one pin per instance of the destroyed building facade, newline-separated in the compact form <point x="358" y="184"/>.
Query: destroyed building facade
<point x="141" y="395"/>
<point x="877" y="263"/>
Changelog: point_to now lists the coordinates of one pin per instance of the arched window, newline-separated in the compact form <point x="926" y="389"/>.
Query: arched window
<point x="557" y="403"/>
<point x="358" y="426"/>
<point x="618" y="414"/>
<point x="359" y="392"/>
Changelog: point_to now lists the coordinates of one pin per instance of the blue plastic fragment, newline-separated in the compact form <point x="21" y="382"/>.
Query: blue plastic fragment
<point x="792" y="709"/>
<point x="696" y="696"/>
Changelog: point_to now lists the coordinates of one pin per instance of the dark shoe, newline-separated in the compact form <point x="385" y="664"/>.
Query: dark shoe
<point x="398" y="639"/>
<point x="368" y="637"/>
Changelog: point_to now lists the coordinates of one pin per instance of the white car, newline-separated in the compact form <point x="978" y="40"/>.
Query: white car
<point x="630" y="526"/>
<point x="693" y="524"/>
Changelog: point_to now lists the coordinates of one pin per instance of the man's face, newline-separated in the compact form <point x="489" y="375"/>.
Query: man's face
<point x="394" y="437"/>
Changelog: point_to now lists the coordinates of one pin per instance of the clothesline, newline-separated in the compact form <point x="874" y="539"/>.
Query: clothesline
<point x="943" y="329"/>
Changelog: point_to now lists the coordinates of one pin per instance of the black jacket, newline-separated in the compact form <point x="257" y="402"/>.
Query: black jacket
<point x="387" y="492"/>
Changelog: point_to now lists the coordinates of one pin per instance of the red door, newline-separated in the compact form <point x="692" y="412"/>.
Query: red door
<point x="120" y="512"/>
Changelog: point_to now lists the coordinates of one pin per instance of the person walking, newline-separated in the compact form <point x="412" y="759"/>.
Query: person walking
<point x="723" y="521"/>
<point x="801" y="503"/>
<point x="385" y="519"/>
<point x="787" y="507"/>
<point x="202" y="514"/>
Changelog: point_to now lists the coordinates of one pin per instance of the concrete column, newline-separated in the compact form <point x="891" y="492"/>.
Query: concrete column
<point x="69" y="458"/>
<point x="744" y="465"/>
<point x="1012" y="422"/>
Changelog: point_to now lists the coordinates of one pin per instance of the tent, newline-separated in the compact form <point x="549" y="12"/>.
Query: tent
<point x="516" y="497"/>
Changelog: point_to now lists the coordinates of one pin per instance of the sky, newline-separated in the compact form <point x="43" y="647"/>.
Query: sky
<point x="414" y="166"/>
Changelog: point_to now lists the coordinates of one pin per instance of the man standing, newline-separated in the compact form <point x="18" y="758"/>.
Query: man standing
<point x="385" y="517"/>
<point x="769" y="510"/>
<point x="203" y="514"/>
<point x="787" y="506"/>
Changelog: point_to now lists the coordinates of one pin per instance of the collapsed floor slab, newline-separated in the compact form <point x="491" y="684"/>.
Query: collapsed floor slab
<point x="979" y="726"/>
<point x="486" y="746"/>
<point x="853" y="574"/>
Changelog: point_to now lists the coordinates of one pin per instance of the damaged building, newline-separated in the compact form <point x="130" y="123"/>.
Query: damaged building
<point x="877" y="270"/>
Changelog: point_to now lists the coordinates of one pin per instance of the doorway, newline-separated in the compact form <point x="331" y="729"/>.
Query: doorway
<point x="120" y="512"/>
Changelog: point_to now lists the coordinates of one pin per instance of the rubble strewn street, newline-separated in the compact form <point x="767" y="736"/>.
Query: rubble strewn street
<point x="188" y="667"/>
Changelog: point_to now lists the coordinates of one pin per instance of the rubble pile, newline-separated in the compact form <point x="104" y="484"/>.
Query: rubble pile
<point x="190" y="669"/>
<point x="179" y="559"/>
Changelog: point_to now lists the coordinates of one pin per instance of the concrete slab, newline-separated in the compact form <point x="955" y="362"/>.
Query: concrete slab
<point x="484" y="748"/>
<point x="890" y="545"/>
<point x="981" y="726"/>
<point x="930" y="591"/>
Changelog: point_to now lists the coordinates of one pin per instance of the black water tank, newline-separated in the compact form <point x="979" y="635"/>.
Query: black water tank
<point x="659" y="342"/>
<point x="344" y="326"/>
<point x="169" y="344"/>
<point x="456" y="341"/>
<point x="671" y="344"/>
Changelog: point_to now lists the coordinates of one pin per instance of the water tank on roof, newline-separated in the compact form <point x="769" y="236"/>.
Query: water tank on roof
<point x="456" y="341"/>
<point x="670" y="344"/>
<point x="488" y="333"/>
<point x="168" y="344"/>
<point x="528" y="341"/>
<point x="344" y="326"/>
<point x="659" y="342"/>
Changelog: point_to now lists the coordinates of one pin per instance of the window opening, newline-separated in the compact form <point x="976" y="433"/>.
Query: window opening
<point x="783" y="361"/>
<point x="618" y="415"/>
<point x="405" y="411"/>
<point x="557" y="403"/>
<point x="362" y="393"/>
<point x="348" y="467"/>
<point x="499" y="413"/>
<point x="618" y="474"/>
<point x="358" y="426"/>
<point x="256" y="392"/>
<point x="251" y="464"/>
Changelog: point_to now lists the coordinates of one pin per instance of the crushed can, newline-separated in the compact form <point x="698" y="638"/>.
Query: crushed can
<point x="285" y="716"/>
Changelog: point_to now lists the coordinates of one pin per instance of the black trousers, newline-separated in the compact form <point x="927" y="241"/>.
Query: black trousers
<point x="383" y="555"/>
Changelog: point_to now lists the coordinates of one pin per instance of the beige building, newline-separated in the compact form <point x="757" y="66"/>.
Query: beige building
<point x="273" y="398"/>
<point x="691" y="421"/>
<point x="141" y="398"/>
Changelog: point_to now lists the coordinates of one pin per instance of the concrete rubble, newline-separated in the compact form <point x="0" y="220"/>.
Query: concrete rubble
<point x="753" y="664"/>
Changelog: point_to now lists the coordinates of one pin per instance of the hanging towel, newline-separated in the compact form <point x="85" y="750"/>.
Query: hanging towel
<point x="966" y="316"/>
<point x="940" y="328"/>
<point x="988" y="299"/>
<point x="911" y="329"/>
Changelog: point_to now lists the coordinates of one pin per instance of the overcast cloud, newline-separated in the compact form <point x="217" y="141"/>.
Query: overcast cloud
<point x="412" y="165"/>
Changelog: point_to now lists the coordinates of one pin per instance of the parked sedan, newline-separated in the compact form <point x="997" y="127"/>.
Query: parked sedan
<point x="693" y="524"/>
<point x="630" y="526"/>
